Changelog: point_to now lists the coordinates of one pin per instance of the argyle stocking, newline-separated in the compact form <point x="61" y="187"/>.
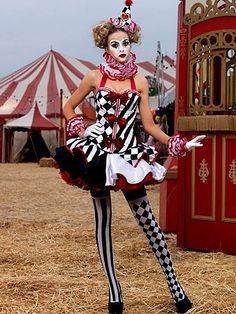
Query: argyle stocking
<point x="103" y="215"/>
<point x="142" y="211"/>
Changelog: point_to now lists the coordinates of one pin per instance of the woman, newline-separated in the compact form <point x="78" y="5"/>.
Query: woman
<point x="106" y="156"/>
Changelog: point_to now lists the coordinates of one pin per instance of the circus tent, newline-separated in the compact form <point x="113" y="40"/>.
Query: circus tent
<point x="148" y="68"/>
<point x="17" y="131"/>
<point x="43" y="80"/>
<point x="51" y="79"/>
<point x="34" y="119"/>
<point x="52" y="76"/>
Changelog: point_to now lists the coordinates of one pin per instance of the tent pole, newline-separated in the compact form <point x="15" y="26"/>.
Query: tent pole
<point x="3" y="144"/>
<point x="34" y="147"/>
<point x="61" y="119"/>
<point x="12" y="133"/>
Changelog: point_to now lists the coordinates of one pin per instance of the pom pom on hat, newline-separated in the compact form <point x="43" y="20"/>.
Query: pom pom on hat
<point x="128" y="2"/>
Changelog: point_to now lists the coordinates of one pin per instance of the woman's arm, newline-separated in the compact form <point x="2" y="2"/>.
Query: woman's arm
<point x="176" y="146"/>
<point x="87" y="84"/>
<point x="146" y="115"/>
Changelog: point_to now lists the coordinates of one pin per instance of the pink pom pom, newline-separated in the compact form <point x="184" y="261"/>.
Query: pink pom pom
<point x="128" y="2"/>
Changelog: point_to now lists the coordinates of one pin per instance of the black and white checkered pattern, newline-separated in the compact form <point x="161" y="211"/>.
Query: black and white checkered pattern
<point x="94" y="146"/>
<point x="134" y="154"/>
<point x="143" y="213"/>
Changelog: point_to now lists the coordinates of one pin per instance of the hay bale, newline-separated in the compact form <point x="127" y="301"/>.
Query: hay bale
<point x="46" y="162"/>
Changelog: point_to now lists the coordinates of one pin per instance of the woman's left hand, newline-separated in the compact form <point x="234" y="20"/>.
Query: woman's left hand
<point x="195" y="142"/>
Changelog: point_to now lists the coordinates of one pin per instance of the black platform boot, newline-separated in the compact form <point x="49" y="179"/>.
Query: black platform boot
<point x="115" y="307"/>
<point x="183" y="306"/>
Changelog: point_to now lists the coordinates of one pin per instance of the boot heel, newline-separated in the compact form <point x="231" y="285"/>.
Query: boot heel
<point x="184" y="305"/>
<point x="115" y="307"/>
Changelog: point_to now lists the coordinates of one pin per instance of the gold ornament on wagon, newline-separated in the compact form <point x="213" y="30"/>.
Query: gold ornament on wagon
<point x="232" y="172"/>
<point x="203" y="171"/>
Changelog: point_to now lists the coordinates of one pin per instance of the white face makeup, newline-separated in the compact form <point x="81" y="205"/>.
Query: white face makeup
<point x="119" y="46"/>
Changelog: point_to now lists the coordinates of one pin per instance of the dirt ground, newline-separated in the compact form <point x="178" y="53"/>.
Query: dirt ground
<point x="49" y="261"/>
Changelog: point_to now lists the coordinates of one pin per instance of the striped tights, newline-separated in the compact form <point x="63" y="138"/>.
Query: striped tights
<point x="142" y="212"/>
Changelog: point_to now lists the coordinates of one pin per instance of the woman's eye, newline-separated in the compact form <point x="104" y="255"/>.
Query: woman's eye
<point x="114" y="45"/>
<point x="126" y="43"/>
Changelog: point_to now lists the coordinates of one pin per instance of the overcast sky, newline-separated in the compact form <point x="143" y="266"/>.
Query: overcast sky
<point x="30" y="28"/>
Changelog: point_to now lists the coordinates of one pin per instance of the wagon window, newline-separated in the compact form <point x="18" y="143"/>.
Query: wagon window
<point x="212" y="83"/>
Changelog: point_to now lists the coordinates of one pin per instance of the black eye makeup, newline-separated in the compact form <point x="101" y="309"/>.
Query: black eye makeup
<point x="125" y="42"/>
<point x="114" y="44"/>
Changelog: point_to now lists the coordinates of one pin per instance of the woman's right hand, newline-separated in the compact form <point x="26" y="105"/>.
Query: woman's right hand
<point x="93" y="130"/>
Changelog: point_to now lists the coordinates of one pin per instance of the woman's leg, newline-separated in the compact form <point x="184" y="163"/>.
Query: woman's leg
<point x="142" y="211"/>
<point x="103" y="216"/>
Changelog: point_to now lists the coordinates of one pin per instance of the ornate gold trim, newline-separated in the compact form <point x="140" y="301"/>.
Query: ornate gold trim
<point x="203" y="52"/>
<point x="205" y="43"/>
<point x="193" y="185"/>
<point x="207" y="123"/>
<point x="232" y="171"/>
<point x="212" y="9"/>
<point x="181" y="108"/>
<point x="224" y="171"/>
<point x="203" y="171"/>
<point x="183" y="41"/>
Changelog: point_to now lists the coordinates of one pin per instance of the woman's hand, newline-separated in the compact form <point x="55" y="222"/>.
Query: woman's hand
<point x="93" y="130"/>
<point x="195" y="142"/>
<point x="177" y="146"/>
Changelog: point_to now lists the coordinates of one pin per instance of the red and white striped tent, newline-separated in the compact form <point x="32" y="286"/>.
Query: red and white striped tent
<point x="50" y="81"/>
<point x="169" y="71"/>
<point x="148" y="68"/>
<point x="42" y="80"/>
<point x="17" y="131"/>
<point x="33" y="120"/>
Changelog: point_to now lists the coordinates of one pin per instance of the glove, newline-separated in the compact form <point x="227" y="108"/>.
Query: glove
<point x="195" y="142"/>
<point x="94" y="130"/>
<point x="74" y="125"/>
<point x="178" y="146"/>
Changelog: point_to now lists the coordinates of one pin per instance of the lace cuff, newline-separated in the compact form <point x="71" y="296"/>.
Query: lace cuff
<point x="176" y="146"/>
<point x="74" y="125"/>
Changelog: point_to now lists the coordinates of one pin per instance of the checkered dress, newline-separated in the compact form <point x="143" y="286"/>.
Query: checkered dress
<point x="118" y="144"/>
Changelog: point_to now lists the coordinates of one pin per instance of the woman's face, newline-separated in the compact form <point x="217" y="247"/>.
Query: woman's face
<point x="119" y="46"/>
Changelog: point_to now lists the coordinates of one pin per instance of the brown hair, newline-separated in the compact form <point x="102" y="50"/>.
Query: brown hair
<point x="102" y="30"/>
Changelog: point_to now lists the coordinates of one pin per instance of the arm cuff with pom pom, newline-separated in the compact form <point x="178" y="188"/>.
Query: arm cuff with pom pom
<point x="176" y="146"/>
<point x="74" y="125"/>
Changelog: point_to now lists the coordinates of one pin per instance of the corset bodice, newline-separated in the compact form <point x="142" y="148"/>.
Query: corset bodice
<point x="117" y="113"/>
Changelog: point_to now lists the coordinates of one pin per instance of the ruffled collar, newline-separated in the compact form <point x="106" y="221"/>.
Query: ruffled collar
<point x="115" y="70"/>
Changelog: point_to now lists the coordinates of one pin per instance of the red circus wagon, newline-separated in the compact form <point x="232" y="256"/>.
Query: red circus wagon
<point x="206" y="104"/>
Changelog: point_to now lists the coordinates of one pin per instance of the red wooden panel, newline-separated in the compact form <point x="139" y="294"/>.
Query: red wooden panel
<point x="210" y="216"/>
<point x="200" y="228"/>
<point x="229" y="179"/>
<point x="203" y="180"/>
<point x="219" y="23"/>
<point x="228" y="190"/>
